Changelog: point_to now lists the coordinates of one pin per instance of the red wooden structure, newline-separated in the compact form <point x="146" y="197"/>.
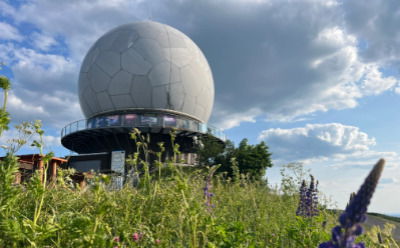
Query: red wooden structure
<point x="29" y="163"/>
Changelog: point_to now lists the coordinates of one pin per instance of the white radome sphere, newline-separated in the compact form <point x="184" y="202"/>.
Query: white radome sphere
<point x="146" y="65"/>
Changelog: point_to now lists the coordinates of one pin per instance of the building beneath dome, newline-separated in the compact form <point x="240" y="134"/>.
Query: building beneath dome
<point x="143" y="75"/>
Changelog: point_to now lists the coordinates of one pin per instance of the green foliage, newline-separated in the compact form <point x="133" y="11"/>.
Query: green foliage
<point x="305" y="232"/>
<point x="247" y="214"/>
<point x="5" y="83"/>
<point x="4" y="120"/>
<point x="292" y="176"/>
<point x="252" y="160"/>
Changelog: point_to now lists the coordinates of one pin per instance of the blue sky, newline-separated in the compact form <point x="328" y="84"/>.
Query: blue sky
<point x="317" y="80"/>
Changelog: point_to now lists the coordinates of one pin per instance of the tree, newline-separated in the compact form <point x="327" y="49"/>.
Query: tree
<point x="252" y="160"/>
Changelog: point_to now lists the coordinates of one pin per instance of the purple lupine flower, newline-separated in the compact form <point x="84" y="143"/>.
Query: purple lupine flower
<point x="351" y="198"/>
<point x="301" y="209"/>
<point x="308" y="204"/>
<point x="343" y="235"/>
<point x="313" y="198"/>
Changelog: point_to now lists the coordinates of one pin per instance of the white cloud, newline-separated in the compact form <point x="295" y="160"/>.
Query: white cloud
<point x="43" y="87"/>
<point x="335" y="37"/>
<point x="55" y="109"/>
<point x="288" y="75"/>
<point x="5" y="52"/>
<point x="42" y="71"/>
<point x="16" y="105"/>
<point x="397" y="90"/>
<point x="81" y="23"/>
<point x="42" y="41"/>
<point x="50" y="142"/>
<point x="374" y="83"/>
<point x="316" y="141"/>
<point x="8" y="32"/>
<point x="230" y="120"/>
<point x="7" y="9"/>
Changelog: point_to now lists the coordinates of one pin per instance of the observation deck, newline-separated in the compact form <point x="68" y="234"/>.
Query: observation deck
<point x="112" y="132"/>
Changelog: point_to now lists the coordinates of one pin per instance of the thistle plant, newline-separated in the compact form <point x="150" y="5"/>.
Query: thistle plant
<point x="343" y="235"/>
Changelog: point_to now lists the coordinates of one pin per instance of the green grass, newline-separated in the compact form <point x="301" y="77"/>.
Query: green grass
<point x="166" y="212"/>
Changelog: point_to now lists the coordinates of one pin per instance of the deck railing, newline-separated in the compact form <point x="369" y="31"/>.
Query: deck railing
<point x="142" y="120"/>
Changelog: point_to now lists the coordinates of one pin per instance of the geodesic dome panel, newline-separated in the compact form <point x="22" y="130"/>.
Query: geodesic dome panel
<point x="146" y="65"/>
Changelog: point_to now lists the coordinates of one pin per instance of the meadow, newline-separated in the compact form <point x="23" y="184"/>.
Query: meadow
<point x="172" y="208"/>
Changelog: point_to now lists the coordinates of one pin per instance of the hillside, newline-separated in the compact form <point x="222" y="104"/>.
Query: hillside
<point x="375" y="219"/>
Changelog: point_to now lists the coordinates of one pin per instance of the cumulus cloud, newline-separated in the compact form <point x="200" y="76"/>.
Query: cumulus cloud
<point x="56" y="108"/>
<point x="374" y="83"/>
<point x="43" y="87"/>
<point x="316" y="141"/>
<point x="18" y="106"/>
<point x="41" y="71"/>
<point x="81" y="22"/>
<point x="8" y="32"/>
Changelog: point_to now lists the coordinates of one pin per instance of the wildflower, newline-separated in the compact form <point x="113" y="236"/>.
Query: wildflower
<point x="312" y="199"/>
<point x="136" y="236"/>
<point x="157" y="241"/>
<point x="301" y="208"/>
<point x="343" y="235"/>
<point x="116" y="239"/>
<point x="308" y="203"/>
<point x="351" y="198"/>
